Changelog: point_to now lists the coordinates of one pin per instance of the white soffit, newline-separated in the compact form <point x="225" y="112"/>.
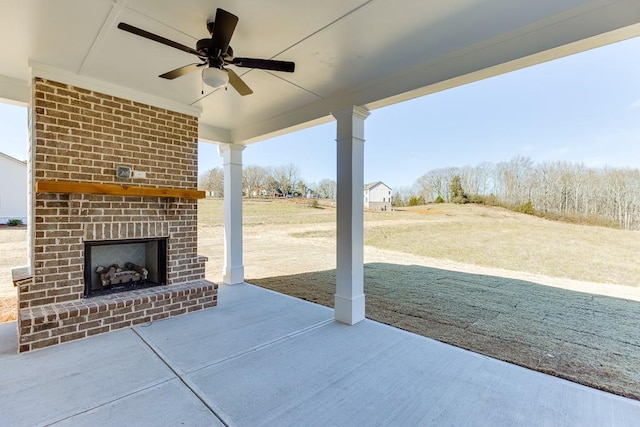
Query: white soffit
<point x="347" y="52"/>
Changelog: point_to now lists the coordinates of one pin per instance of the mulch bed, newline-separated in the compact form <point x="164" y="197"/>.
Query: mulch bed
<point x="589" y="339"/>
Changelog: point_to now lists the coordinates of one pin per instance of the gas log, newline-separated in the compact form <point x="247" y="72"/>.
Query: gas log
<point x="115" y="275"/>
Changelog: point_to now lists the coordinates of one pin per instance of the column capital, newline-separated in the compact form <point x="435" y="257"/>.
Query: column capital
<point x="223" y="148"/>
<point x="231" y="153"/>
<point x="355" y="110"/>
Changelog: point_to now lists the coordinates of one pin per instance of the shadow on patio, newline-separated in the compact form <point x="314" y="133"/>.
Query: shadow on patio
<point x="590" y="339"/>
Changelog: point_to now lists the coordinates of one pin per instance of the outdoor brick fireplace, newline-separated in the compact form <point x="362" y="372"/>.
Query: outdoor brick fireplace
<point x="80" y="142"/>
<point x="112" y="266"/>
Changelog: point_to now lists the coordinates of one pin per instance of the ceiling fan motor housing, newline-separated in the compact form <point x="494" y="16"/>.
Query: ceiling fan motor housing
<point x="210" y="25"/>
<point x="204" y="46"/>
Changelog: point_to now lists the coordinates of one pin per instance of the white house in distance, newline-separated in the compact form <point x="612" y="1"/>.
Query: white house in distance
<point x="13" y="192"/>
<point x="377" y="196"/>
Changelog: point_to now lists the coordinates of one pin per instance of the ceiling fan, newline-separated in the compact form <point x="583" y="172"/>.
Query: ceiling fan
<point x="214" y="54"/>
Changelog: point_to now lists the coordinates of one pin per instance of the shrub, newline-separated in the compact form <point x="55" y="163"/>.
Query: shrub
<point x="439" y="199"/>
<point x="14" y="222"/>
<point x="416" y="201"/>
<point x="526" y="208"/>
<point x="457" y="192"/>
<point x="490" y="200"/>
<point x="461" y="199"/>
<point x="314" y="204"/>
<point x="476" y="198"/>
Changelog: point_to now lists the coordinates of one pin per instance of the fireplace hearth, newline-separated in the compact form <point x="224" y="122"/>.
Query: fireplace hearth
<point x="121" y="265"/>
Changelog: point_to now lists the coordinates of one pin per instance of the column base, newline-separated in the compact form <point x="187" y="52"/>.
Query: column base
<point x="233" y="276"/>
<point x="349" y="310"/>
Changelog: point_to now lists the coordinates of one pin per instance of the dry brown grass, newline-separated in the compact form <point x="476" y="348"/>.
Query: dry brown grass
<point x="8" y="309"/>
<point x="495" y="237"/>
<point x="13" y="253"/>
<point x="499" y="238"/>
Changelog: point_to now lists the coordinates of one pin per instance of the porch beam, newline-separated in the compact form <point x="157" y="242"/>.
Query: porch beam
<point x="233" y="269"/>
<point x="349" y="297"/>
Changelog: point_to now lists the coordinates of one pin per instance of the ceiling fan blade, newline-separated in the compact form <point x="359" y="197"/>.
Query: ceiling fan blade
<point x="264" y="64"/>
<point x="223" y="28"/>
<point x="147" y="35"/>
<point x="238" y="84"/>
<point x="179" y="72"/>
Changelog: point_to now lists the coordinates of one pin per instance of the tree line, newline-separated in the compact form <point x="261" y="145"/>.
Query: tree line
<point x="605" y="196"/>
<point x="277" y="181"/>
<point x="549" y="188"/>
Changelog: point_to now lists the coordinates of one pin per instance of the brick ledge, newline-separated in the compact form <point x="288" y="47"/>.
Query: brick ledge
<point x="56" y="323"/>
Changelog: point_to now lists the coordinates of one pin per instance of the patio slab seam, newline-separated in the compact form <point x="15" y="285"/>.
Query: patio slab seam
<point x="177" y="375"/>
<point x="182" y="376"/>
<point x="180" y="372"/>
<point x="117" y="399"/>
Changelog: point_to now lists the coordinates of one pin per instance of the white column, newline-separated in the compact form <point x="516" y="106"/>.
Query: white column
<point x="233" y="270"/>
<point x="349" y="297"/>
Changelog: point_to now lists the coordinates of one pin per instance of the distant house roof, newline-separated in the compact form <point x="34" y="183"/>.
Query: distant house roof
<point x="13" y="158"/>
<point x="371" y="185"/>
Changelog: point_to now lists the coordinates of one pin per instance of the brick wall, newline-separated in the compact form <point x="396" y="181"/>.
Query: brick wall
<point x="80" y="135"/>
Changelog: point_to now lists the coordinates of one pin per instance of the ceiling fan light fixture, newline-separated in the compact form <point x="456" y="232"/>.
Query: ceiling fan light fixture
<point x="215" y="77"/>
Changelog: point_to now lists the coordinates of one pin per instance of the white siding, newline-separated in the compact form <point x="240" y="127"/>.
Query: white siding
<point x="380" y="193"/>
<point x="378" y="197"/>
<point x="13" y="189"/>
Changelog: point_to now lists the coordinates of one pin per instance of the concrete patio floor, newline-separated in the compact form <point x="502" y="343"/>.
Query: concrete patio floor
<point x="262" y="358"/>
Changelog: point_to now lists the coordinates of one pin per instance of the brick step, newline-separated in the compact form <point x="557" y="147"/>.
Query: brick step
<point x="56" y="323"/>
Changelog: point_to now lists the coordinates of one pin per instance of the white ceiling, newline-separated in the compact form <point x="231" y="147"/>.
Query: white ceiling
<point x="347" y="52"/>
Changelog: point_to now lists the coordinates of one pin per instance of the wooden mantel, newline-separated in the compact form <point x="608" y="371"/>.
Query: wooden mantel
<point x="69" y="187"/>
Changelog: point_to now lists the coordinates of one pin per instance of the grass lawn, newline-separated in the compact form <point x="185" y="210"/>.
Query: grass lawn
<point x="494" y="237"/>
<point x="471" y="234"/>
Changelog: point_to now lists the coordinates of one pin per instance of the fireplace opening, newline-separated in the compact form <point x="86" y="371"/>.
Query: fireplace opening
<point x="120" y="265"/>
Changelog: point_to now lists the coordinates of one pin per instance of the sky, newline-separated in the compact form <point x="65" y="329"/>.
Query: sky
<point x="584" y="108"/>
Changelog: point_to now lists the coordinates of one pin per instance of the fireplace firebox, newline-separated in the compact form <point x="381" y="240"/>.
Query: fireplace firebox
<point x="120" y="265"/>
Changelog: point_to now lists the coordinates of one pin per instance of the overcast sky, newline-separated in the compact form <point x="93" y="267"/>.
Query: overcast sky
<point x="583" y="108"/>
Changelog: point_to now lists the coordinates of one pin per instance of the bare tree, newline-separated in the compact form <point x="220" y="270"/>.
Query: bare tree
<point x="285" y="177"/>
<point x="300" y="188"/>
<point x="552" y="187"/>
<point x="516" y="181"/>
<point x="212" y="181"/>
<point x="484" y="178"/>
<point x="401" y="196"/>
<point x="253" y="180"/>
<point x="327" y="189"/>
<point x="435" y="183"/>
